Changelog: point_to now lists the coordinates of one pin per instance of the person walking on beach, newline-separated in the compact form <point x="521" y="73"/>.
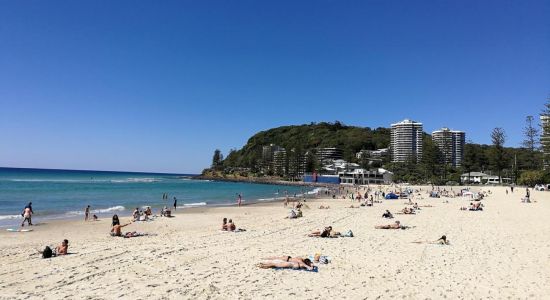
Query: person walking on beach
<point x="175" y="203"/>
<point x="239" y="199"/>
<point x="27" y="214"/>
<point x="87" y="213"/>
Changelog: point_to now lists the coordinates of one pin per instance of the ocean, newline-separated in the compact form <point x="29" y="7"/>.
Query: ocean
<point x="58" y="194"/>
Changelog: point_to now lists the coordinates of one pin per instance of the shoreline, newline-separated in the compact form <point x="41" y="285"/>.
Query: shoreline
<point x="4" y="224"/>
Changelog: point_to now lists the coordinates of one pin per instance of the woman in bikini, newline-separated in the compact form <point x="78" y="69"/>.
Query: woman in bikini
<point x="296" y="265"/>
<point x="396" y="225"/>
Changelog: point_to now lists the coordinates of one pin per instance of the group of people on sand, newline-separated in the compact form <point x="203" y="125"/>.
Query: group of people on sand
<point x="228" y="225"/>
<point x="166" y="212"/>
<point x="142" y="215"/>
<point x="116" y="229"/>
<point x="474" y="206"/>
<point x="62" y="249"/>
<point x="296" y="212"/>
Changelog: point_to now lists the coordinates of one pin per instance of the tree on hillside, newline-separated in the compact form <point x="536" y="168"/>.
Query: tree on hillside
<point x="364" y="160"/>
<point x="311" y="162"/>
<point x="497" y="154"/>
<point x="217" y="159"/>
<point x="530" y="142"/>
<point x="431" y="161"/>
<point x="470" y="163"/>
<point x="545" y="134"/>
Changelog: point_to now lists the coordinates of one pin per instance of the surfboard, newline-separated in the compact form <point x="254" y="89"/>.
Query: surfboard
<point x="18" y="230"/>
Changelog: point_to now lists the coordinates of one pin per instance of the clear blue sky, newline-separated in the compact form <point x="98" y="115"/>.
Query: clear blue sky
<point x="158" y="85"/>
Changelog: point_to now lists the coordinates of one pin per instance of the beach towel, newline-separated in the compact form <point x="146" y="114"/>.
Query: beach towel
<point x="135" y="234"/>
<point x="323" y="259"/>
<point x="315" y="269"/>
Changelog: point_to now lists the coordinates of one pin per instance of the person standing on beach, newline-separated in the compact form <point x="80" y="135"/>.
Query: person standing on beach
<point x="87" y="213"/>
<point x="27" y="214"/>
<point x="175" y="203"/>
<point x="239" y="199"/>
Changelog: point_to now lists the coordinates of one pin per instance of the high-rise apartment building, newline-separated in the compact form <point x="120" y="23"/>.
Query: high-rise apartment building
<point x="451" y="144"/>
<point x="406" y="141"/>
<point x="545" y="140"/>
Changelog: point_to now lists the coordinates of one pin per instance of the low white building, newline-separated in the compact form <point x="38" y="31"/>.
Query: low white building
<point x="365" y="177"/>
<point x="473" y="177"/>
<point x="482" y="178"/>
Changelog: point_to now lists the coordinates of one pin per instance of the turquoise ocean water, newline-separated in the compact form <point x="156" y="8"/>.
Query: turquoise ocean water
<point x="59" y="194"/>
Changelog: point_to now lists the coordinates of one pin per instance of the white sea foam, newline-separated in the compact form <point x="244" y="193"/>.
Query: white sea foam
<point x="96" y="211"/>
<point x="10" y="217"/>
<point x="315" y="191"/>
<point x="137" y="180"/>
<point x="194" y="204"/>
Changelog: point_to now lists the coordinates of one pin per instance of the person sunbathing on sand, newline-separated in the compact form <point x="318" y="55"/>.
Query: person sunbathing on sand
<point x="296" y="265"/>
<point x="441" y="241"/>
<point x="63" y="248"/>
<point x="396" y="225"/>
<point x="288" y="259"/>
<point x="407" y="211"/>
<point x="224" y="224"/>
<point x="325" y="233"/>
<point x="231" y="226"/>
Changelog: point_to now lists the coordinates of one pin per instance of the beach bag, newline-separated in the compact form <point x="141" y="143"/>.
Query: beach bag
<point x="47" y="253"/>
<point x="348" y="234"/>
<point x="323" y="260"/>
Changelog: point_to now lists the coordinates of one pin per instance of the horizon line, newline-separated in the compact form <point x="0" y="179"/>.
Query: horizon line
<point x="105" y="171"/>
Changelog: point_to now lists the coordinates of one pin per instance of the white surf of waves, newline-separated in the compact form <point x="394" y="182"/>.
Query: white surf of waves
<point x="267" y="199"/>
<point x="135" y="180"/>
<point x="194" y="204"/>
<point x="97" y="211"/>
<point x="10" y="217"/>
<point x="315" y="191"/>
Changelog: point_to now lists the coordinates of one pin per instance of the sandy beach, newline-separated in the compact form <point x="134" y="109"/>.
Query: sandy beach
<point x="501" y="252"/>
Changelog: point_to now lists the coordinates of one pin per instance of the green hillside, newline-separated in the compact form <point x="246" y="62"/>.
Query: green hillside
<point x="303" y="138"/>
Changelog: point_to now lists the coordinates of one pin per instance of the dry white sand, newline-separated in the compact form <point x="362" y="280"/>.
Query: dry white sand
<point x="502" y="252"/>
